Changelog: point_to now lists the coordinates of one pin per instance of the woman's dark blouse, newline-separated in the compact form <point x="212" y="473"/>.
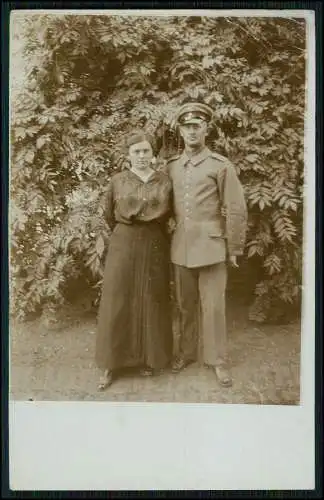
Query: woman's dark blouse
<point x="129" y="199"/>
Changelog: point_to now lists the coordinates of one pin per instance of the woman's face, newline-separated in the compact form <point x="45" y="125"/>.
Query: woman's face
<point x="140" y="155"/>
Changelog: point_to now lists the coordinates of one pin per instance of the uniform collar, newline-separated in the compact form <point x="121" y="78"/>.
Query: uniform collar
<point x="196" y="159"/>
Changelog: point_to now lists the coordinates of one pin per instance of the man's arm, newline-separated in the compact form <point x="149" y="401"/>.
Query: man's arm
<point x="234" y="210"/>
<point x="109" y="206"/>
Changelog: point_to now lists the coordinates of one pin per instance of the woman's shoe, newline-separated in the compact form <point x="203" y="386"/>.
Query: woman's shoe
<point x="105" y="381"/>
<point x="223" y="376"/>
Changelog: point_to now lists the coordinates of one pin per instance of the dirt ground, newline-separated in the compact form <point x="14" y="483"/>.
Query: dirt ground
<point x="56" y="363"/>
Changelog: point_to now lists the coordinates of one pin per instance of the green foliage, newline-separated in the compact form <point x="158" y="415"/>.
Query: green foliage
<point x="91" y="78"/>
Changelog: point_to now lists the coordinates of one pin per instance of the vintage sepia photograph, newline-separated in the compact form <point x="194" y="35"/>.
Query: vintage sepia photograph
<point x="156" y="213"/>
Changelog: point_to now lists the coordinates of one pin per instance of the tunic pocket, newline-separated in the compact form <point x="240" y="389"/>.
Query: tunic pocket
<point x="215" y="230"/>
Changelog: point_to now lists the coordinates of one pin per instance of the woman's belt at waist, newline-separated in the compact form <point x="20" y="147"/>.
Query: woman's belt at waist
<point x="136" y="222"/>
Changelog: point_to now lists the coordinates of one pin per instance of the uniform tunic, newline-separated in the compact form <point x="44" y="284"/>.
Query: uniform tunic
<point x="134" y="319"/>
<point x="211" y="221"/>
<point x="205" y="187"/>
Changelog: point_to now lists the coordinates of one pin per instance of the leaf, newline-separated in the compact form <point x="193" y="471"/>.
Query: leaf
<point x="251" y="251"/>
<point x="273" y="264"/>
<point x="251" y="158"/>
<point x="292" y="204"/>
<point x="20" y="132"/>
<point x="43" y="119"/>
<point x="40" y="142"/>
<point x="207" y="62"/>
<point x="31" y="131"/>
<point x="282" y="200"/>
<point x="100" y="245"/>
<point x="30" y="155"/>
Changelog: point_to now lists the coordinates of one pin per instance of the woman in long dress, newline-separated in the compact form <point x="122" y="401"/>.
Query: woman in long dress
<point x="134" y="319"/>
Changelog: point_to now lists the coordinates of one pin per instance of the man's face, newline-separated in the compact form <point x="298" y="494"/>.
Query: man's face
<point x="194" y="133"/>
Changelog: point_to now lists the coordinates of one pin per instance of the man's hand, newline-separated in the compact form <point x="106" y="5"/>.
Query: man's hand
<point x="233" y="261"/>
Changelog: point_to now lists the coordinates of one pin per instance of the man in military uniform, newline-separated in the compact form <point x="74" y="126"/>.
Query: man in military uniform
<point x="211" y="218"/>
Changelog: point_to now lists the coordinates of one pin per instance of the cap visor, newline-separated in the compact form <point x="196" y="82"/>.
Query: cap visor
<point x="193" y="120"/>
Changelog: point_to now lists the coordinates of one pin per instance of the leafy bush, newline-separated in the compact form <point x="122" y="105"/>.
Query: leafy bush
<point x="89" y="79"/>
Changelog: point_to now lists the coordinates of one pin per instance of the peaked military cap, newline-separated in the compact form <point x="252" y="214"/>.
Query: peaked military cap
<point x="193" y="112"/>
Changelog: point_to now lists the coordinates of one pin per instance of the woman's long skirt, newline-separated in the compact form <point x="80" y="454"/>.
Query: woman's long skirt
<point x="134" y="318"/>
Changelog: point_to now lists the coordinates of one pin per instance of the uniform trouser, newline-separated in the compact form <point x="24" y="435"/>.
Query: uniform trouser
<point x="200" y="296"/>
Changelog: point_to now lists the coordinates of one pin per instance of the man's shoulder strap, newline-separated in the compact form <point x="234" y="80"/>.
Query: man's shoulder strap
<point x="173" y="158"/>
<point x="219" y="157"/>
